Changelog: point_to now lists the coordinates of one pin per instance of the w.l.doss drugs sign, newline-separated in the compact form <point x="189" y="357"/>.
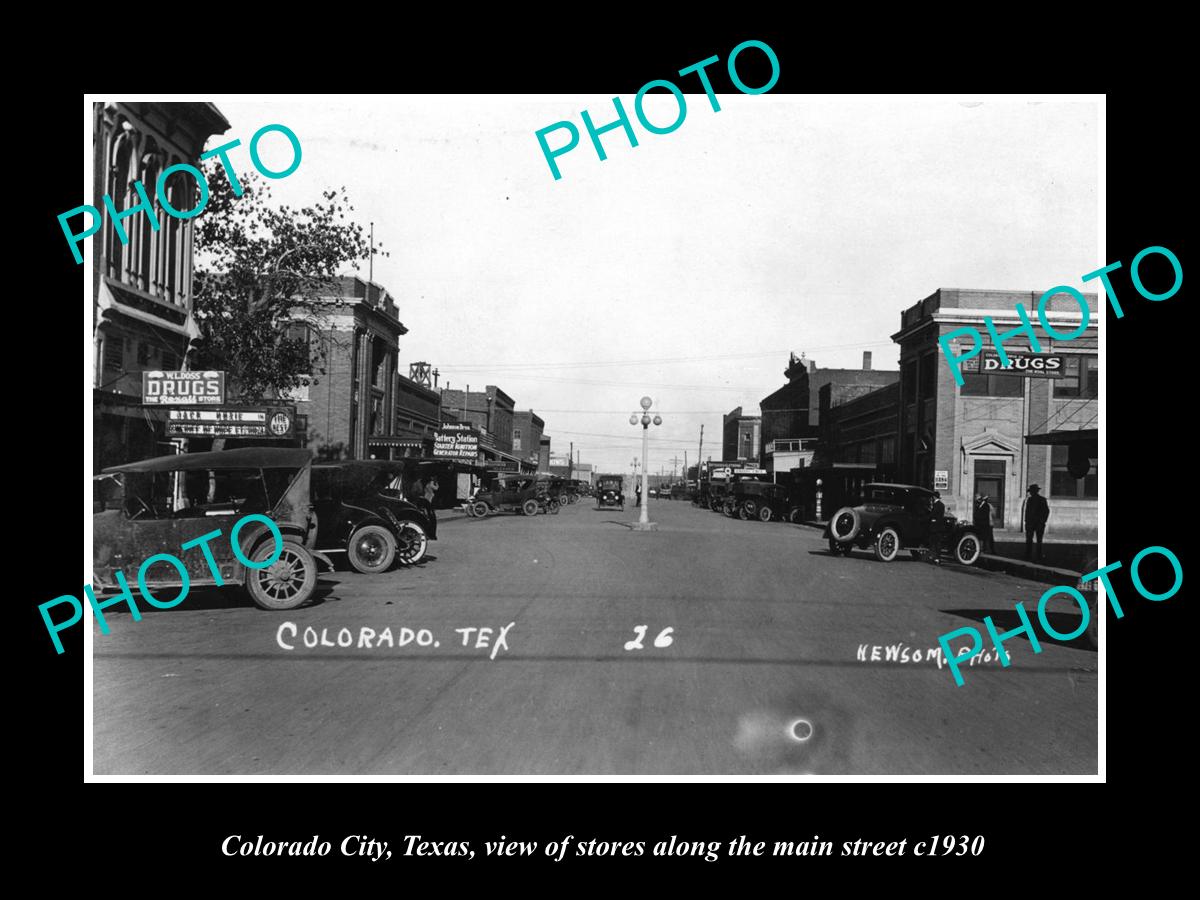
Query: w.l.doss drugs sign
<point x="183" y="388"/>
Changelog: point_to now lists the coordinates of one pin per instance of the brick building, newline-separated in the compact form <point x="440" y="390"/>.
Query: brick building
<point x="1002" y="430"/>
<point x="362" y="407"/>
<point x="492" y="412"/>
<point x="527" y="431"/>
<point x="740" y="436"/>
<point x="860" y="426"/>
<point x="142" y="290"/>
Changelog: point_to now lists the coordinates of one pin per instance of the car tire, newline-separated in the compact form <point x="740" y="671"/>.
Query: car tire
<point x="968" y="549"/>
<point x="286" y="583"/>
<point x="371" y="550"/>
<point x="887" y="544"/>
<point x="480" y="509"/>
<point x="796" y="515"/>
<point x="750" y="509"/>
<point x="764" y="514"/>
<point x="530" y="507"/>
<point x="845" y="524"/>
<point x="411" y="543"/>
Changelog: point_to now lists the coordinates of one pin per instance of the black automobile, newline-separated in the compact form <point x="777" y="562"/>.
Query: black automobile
<point x="362" y="510"/>
<point x="609" y="491"/>
<point x="895" y="517"/>
<point x="759" y="500"/>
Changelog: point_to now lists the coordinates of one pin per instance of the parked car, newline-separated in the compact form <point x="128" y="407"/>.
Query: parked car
<point x="158" y="505"/>
<point x="893" y="517"/>
<point x="758" y="500"/>
<point x="512" y="492"/>
<point x="609" y="491"/>
<point x="362" y="511"/>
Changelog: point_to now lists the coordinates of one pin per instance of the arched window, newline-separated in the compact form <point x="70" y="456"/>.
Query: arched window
<point x="117" y="182"/>
<point x="147" y="243"/>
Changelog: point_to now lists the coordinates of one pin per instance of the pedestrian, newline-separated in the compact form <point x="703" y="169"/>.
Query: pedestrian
<point x="983" y="523"/>
<point x="1037" y="512"/>
<point x="637" y="489"/>
<point x="937" y="529"/>
<point x="431" y="489"/>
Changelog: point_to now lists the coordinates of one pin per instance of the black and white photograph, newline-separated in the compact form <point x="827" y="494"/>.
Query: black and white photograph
<point x="706" y="431"/>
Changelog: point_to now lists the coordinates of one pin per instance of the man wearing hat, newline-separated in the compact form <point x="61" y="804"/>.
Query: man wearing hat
<point x="1037" y="511"/>
<point x="983" y="523"/>
<point x="937" y="529"/>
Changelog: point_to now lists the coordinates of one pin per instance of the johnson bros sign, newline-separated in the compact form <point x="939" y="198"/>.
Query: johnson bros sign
<point x="1023" y="365"/>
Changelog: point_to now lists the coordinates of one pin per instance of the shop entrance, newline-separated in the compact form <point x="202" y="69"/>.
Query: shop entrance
<point x="989" y="480"/>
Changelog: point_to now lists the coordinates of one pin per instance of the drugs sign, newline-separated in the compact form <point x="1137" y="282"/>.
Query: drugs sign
<point x="183" y="388"/>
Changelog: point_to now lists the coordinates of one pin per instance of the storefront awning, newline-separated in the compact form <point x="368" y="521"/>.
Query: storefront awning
<point x="1085" y="435"/>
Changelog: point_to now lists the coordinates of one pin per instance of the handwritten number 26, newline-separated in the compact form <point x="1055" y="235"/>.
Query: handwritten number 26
<point x="664" y="638"/>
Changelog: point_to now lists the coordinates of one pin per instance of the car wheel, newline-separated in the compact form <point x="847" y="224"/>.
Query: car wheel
<point x="764" y="514"/>
<point x="411" y="543"/>
<point x="287" y="582"/>
<point x="371" y="549"/>
<point x="845" y="524"/>
<point x="480" y="509"/>
<point x="750" y="510"/>
<point x="796" y="515"/>
<point x="530" y="507"/>
<point x="887" y="544"/>
<point x="968" y="549"/>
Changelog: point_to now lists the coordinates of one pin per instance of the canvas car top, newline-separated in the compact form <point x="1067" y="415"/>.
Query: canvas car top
<point x="239" y="458"/>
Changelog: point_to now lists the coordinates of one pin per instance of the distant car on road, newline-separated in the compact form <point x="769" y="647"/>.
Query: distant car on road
<point x="893" y="517"/>
<point x="609" y="491"/>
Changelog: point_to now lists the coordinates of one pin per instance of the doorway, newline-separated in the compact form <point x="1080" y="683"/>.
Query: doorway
<point x="989" y="481"/>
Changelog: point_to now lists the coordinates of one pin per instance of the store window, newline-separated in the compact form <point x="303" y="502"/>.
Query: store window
<point x="1081" y="378"/>
<point x="992" y="385"/>
<point x="1064" y="484"/>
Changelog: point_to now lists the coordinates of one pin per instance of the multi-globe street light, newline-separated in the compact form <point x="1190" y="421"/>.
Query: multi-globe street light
<point x="644" y="523"/>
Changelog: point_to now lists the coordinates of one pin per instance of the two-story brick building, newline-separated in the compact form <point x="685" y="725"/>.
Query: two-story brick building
<point x="142" y="290"/>
<point x="1003" y="429"/>
<point x="527" y="431"/>
<point x="362" y="407"/>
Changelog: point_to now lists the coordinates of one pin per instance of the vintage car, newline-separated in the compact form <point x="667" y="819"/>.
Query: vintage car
<point x="893" y="517"/>
<point x="716" y="495"/>
<point x="609" y="491"/>
<point x="157" y="505"/>
<point x="758" y="500"/>
<point x="512" y="492"/>
<point x="363" y="512"/>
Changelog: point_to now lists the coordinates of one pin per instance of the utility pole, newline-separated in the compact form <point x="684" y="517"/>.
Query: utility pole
<point x="571" y="460"/>
<point x="700" y="457"/>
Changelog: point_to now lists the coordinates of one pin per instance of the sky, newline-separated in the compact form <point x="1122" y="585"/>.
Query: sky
<point x="688" y="267"/>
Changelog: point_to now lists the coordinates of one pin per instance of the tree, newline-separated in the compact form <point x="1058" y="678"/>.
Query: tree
<point x="260" y="268"/>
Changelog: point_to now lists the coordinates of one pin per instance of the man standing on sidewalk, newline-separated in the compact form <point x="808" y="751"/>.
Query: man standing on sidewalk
<point x="1037" y="512"/>
<point x="983" y="523"/>
<point x="937" y="529"/>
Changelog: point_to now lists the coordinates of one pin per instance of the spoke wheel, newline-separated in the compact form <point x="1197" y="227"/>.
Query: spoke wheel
<point x="287" y="582"/>
<point x="411" y="543"/>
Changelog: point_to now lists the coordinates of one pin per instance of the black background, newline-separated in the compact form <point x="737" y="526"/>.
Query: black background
<point x="177" y="828"/>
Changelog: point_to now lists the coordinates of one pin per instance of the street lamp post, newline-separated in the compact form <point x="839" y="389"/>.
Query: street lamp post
<point x="644" y="523"/>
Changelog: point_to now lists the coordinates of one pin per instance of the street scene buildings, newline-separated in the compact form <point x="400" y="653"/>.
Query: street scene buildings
<point x="444" y="454"/>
